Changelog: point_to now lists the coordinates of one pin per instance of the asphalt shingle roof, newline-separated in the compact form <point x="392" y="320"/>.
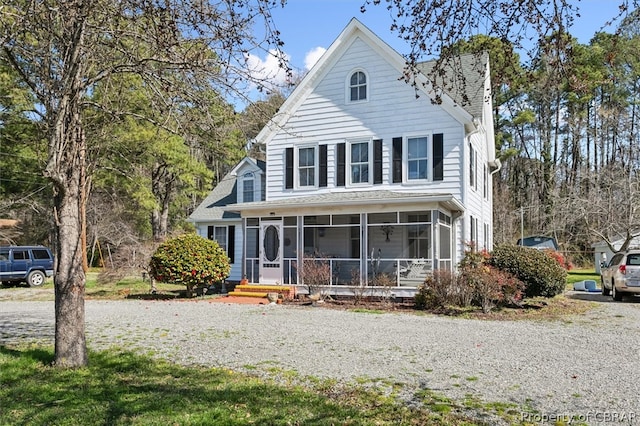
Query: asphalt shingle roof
<point x="461" y="77"/>
<point x="223" y="194"/>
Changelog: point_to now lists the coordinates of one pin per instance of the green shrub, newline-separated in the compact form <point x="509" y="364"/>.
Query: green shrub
<point x="189" y="260"/>
<point x="487" y="285"/>
<point x="439" y="290"/>
<point x="541" y="274"/>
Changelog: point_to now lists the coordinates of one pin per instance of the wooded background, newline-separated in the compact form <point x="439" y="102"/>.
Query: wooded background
<point x="566" y="132"/>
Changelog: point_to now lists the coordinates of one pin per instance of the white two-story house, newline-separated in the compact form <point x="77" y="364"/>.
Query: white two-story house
<point x="365" y="172"/>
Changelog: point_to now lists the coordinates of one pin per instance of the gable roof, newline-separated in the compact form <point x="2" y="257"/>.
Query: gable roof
<point x="464" y="112"/>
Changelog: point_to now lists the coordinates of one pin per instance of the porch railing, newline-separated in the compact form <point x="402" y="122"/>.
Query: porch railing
<point x="344" y="271"/>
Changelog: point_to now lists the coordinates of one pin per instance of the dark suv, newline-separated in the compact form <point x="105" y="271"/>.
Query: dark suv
<point x="30" y="264"/>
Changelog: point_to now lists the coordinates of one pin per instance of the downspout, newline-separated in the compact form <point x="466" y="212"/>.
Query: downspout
<point x="476" y="129"/>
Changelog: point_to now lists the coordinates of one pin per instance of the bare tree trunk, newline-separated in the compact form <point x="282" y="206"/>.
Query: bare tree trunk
<point x="67" y="168"/>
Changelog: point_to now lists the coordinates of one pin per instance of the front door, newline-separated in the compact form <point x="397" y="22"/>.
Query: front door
<point x="271" y="251"/>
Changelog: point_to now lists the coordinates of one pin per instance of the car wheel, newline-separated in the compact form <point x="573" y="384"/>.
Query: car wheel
<point x="35" y="278"/>
<point x="617" y="296"/>
<point x="605" y="290"/>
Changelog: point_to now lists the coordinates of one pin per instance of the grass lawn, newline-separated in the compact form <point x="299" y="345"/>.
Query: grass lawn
<point x="576" y="275"/>
<point x="121" y="388"/>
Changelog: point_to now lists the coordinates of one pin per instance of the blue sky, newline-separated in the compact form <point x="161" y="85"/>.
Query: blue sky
<point x="308" y="27"/>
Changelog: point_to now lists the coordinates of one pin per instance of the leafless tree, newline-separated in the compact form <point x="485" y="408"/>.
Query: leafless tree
<point x="61" y="50"/>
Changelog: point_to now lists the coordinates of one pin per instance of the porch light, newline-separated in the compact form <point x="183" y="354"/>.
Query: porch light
<point x="387" y="230"/>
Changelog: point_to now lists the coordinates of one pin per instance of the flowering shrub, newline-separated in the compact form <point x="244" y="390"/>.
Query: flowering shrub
<point x="489" y="286"/>
<point x="190" y="260"/>
<point x="559" y="257"/>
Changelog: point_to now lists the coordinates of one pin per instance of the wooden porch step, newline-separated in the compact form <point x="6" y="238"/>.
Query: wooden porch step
<point x="257" y="290"/>
<point x="247" y="294"/>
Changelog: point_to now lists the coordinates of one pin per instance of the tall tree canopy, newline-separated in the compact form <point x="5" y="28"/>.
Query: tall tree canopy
<point x="61" y="50"/>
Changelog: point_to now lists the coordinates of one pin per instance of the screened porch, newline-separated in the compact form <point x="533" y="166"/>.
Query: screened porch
<point x="373" y="249"/>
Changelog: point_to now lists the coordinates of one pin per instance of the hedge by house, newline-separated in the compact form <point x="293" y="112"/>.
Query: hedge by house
<point x="540" y="272"/>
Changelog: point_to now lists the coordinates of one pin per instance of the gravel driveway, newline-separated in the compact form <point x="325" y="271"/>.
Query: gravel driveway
<point x="586" y="366"/>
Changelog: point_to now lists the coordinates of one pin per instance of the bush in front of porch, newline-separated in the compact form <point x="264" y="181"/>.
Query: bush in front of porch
<point x="190" y="260"/>
<point x="476" y="283"/>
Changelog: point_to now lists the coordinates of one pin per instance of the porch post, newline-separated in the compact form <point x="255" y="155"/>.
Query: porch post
<point x="300" y="251"/>
<point x="435" y="233"/>
<point x="364" y="247"/>
<point x="243" y="269"/>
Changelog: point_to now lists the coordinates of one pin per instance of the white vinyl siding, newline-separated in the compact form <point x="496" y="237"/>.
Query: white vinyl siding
<point x="392" y="111"/>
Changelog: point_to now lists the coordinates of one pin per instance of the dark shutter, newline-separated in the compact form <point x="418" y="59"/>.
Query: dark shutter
<point x="288" y="176"/>
<point x="322" y="168"/>
<point x="397" y="160"/>
<point x="340" y="167"/>
<point x="377" y="161"/>
<point x="438" y="157"/>
<point x="231" y="243"/>
<point x="210" y="232"/>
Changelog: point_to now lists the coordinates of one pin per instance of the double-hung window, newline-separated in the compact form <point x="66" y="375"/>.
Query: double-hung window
<point x="307" y="167"/>
<point x="359" y="162"/>
<point x="417" y="158"/>
<point x="473" y="178"/>
<point x="225" y="237"/>
<point x="247" y="188"/>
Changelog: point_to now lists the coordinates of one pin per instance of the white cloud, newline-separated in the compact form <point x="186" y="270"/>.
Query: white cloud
<point x="312" y="57"/>
<point x="267" y="69"/>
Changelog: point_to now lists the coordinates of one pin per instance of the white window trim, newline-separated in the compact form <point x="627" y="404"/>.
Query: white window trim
<point x="347" y="86"/>
<point x="349" y="182"/>
<point x="225" y="247"/>
<point x="296" y="166"/>
<point x="473" y="161"/>
<point x="405" y="158"/>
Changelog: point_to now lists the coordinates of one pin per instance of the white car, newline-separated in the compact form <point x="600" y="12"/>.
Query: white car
<point x="621" y="275"/>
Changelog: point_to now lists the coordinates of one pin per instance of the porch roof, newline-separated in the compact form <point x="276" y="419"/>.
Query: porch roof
<point x="330" y="200"/>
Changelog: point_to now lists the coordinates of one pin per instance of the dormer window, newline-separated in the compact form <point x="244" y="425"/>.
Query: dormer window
<point x="247" y="188"/>
<point x="358" y="87"/>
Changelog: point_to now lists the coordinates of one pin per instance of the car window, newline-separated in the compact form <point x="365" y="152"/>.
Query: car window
<point x="20" y="255"/>
<point x="40" y="254"/>
<point x="4" y="254"/>
<point x="633" y="259"/>
<point x="615" y="260"/>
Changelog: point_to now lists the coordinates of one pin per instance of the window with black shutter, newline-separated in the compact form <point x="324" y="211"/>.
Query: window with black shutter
<point x="438" y="157"/>
<point x="397" y="160"/>
<point x="322" y="167"/>
<point x="377" y="161"/>
<point x="341" y="162"/>
<point x="231" y="243"/>
<point x="288" y="176"/>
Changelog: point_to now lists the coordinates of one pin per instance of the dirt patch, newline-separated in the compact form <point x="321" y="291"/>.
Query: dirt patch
<point x="27" y="293"/>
